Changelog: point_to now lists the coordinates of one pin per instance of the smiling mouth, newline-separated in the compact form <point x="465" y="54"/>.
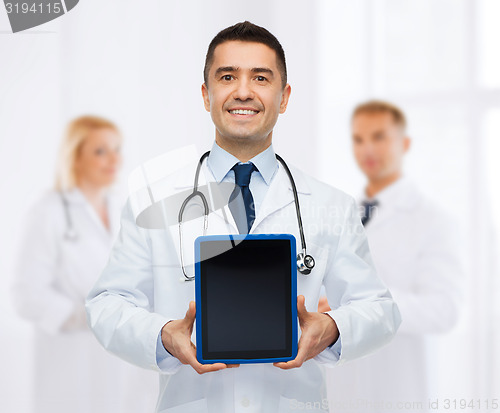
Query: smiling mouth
<point x="243" y="112"/>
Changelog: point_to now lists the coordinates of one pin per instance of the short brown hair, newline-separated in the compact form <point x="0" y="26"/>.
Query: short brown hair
<point x="247" y="32"/>
<point x="380" y="106"/>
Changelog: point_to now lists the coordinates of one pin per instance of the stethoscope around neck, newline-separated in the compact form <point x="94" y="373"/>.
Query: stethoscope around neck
<point x="70" y="233"/>
<point x="305" y="262"/>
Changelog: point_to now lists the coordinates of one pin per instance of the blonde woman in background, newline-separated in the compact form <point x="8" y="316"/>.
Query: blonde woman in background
<point x="65" y="246"/>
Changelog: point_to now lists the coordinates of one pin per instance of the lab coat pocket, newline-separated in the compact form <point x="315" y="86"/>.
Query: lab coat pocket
<point x="287" y="405"/>
<point x="320" y="255"/>
<point x="309" y="285"/>
<point x="198" y="406"/>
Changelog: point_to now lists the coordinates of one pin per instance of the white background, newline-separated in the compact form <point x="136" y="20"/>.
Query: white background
<point x="140" y="64"/>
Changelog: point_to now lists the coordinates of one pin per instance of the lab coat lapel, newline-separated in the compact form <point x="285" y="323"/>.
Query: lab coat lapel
<point x="279" y="195"/>
<point x="399" y="199"/>
<point x="76" y="197"/>
<point x="115" y="205"/>
<point x="382" y="214"/>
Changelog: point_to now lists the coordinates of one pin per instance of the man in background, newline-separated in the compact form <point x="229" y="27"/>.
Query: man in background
<point x="414" y="247"/>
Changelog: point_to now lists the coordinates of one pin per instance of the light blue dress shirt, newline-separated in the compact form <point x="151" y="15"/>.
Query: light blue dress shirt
<point x="220" y="163"/>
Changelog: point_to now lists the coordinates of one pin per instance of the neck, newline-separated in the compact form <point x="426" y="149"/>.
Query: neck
<point x="94" y="194"/>
<point x="378" y="184"/>
<point x="242" y="149"/>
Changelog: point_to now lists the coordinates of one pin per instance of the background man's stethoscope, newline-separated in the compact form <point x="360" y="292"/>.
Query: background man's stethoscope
<point x="305" y="263"/>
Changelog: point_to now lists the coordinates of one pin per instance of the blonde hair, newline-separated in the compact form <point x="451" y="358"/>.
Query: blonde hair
<point x="380" y="106"/>
<point x="76" y="132"/>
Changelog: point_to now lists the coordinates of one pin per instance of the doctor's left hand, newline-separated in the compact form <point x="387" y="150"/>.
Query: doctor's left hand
<point x="318" y="332"/>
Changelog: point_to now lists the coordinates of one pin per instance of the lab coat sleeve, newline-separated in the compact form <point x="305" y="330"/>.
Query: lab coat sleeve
<point x="35" y="296"/>
<point x="362" y="307"/>
<point x="120" y="306"/>
<point x="433" y="303"/>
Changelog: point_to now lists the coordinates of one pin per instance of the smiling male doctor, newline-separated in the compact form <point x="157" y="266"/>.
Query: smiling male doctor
<point x="137" y="308"/>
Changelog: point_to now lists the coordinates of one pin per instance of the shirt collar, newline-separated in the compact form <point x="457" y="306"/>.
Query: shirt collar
<point x="73" y="195"/>
<point x="386" y="196"/>
<point x="220" y="163"/>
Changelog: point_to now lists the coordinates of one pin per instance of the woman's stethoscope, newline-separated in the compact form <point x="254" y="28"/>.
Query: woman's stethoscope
<point x="305" y="263"/>
<point x="70" y="233"/>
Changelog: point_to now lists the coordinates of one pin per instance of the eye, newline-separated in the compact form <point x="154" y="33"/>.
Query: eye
<point x="357" y="140"/>
<point x="261" y="79"/>
<point x="227" y="77"/>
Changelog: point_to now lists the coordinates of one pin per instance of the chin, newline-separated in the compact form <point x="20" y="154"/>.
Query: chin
<point x="373" y="175"/>
<point x="248" y="136"/>
<point x="239" y="133"/>
<point x="104" y="183"/>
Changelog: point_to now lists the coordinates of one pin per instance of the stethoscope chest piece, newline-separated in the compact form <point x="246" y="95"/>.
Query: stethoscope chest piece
<point x="305" y="263"/>
<point x="70" y="235"/>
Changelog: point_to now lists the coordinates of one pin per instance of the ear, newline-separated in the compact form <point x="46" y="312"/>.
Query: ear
<point x="406" y="144"/>
<point x="77" y="165"/>
<point x="206" y="97"/>
<point x="285" y="95"/>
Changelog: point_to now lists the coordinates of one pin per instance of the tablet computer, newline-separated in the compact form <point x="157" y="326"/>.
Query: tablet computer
<point x="246" y="298"/>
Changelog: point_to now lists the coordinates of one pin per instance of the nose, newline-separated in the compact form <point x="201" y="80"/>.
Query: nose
<point x="114" y="158"/>
<point x="365" y="146"/>
<point x="243" y="89"/>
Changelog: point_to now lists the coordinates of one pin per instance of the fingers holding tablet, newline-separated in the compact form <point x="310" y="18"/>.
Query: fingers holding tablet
<point x="318" y="332"/>
<point x="176" y="338"/>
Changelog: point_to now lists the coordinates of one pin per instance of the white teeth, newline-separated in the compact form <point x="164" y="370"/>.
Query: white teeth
<point x="243" y="112"/>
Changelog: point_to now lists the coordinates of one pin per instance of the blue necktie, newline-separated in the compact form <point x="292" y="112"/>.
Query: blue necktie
<point x="241" y="199"/>
<point x="370" y="207"/>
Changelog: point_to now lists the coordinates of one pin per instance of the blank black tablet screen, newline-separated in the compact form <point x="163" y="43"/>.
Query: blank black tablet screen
<point x="246" y="299"/>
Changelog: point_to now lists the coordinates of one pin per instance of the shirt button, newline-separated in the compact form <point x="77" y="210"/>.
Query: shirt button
<point x="245" y="402"/>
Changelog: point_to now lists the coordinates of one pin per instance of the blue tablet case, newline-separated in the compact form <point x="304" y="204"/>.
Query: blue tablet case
<point x="246" y="298"/>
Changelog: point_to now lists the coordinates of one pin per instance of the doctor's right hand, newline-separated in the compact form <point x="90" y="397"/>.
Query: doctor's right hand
<point x="176" y="338"/>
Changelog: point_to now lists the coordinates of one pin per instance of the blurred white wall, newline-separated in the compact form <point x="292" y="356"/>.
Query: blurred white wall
<point x="140" y="64"/>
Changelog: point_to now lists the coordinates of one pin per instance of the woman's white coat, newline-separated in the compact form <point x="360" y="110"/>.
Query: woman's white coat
<point x="72" y="372"/>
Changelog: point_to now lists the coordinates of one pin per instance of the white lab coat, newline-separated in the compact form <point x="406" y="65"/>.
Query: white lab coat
<point x="72" y="372"/>
<point x="139" y="291"/>
<point x="415" y="247"/>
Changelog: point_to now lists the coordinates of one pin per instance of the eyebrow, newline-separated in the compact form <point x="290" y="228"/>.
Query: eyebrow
<point x="236" y="69"/>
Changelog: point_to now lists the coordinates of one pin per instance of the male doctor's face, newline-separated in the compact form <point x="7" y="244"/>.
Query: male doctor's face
<point x="244" y="94"/>
<point x="379" y="144"/>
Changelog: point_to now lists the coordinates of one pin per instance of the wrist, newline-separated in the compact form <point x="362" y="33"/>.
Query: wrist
<point x="165" y="337"/>
<point x="332" y="334"/>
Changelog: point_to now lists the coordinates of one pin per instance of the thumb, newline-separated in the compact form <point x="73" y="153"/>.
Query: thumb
<point x="301" y="306"/>
<point x="191" y="312"/>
